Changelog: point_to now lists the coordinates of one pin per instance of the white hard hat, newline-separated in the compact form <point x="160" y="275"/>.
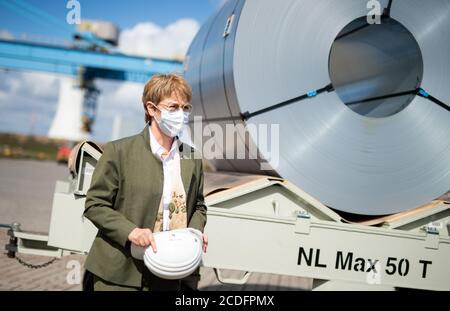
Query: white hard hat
<point x="179" y="253"/>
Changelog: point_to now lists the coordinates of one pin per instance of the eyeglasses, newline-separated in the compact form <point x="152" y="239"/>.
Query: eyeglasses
<point x="175" y="107"/>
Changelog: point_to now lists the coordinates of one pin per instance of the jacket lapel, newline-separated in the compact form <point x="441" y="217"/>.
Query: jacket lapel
<point x="187" y="164"/>
<point x="186" y="167"/>
<point x="153" y="167"/>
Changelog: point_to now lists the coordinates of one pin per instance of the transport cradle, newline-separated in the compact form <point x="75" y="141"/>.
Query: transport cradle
<point x="268" y="225"/>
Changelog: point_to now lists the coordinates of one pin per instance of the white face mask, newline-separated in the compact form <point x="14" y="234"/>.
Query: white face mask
<point x="171" y="123"/>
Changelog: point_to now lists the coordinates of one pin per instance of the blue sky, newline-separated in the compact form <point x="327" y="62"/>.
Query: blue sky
<point x="160" y="28"/>
<point x="123" y="13"/>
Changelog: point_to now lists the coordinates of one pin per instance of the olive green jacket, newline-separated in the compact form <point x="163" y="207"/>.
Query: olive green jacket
<point x="125" y="193"/>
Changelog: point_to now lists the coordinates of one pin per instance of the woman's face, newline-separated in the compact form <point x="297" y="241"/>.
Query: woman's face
<point x="172" y="103"/>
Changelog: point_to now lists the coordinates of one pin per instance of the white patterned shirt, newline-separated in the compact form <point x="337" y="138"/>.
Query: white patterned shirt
<point x="171" y="166"/>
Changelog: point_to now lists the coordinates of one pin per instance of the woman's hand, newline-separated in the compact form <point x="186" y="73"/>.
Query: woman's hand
<point x="205" y="242"/>
<point x="142" y="237"/>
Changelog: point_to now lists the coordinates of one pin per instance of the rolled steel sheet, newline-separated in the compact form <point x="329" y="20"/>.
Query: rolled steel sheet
<point x="376" y="157"/>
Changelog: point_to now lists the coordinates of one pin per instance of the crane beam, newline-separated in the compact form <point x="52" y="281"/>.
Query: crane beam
<point x="18" y="55"/>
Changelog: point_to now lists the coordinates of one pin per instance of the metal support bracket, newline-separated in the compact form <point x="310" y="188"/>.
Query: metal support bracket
<point x="433" y="235"/>
<point x="12" y="247"/>
<point x="303" y="223"/>
<point x="223" y="280"/>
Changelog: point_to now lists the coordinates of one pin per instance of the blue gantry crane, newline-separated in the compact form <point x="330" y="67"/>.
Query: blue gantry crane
<point x="89" y="57"/>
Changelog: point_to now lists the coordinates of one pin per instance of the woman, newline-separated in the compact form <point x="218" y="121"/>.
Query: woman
<point x="143" y="184"/>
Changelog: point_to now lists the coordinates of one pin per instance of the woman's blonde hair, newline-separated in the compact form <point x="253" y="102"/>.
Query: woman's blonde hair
<point x="162" y="86"/>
